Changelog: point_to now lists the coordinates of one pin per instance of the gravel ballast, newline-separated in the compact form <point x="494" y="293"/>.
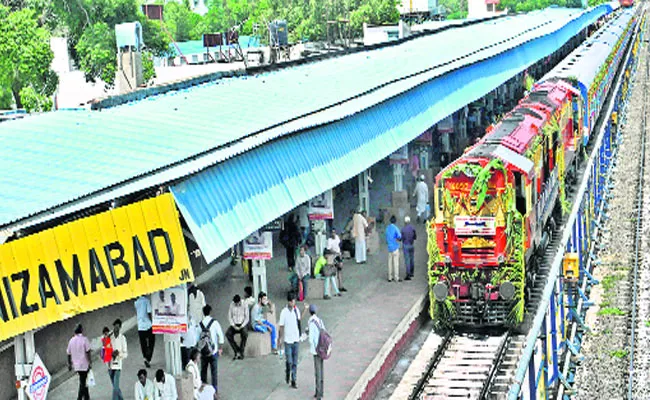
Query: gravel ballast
<point x="604" y="372"/>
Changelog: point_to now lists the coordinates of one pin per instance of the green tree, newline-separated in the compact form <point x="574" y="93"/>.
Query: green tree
<point x="90" y="27"/>
<point x="25" y="59"/>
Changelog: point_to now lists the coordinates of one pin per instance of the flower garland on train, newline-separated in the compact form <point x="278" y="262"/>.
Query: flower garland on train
<point x="443" y="312"/>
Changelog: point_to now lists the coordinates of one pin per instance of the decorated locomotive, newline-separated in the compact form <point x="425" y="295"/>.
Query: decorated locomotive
<point x="496" y="206"/>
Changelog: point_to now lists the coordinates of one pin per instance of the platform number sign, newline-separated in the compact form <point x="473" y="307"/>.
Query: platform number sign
<point x="39" y="380"/>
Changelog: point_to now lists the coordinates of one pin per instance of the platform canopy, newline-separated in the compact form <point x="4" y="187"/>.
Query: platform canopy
<point x="328" y="115"/>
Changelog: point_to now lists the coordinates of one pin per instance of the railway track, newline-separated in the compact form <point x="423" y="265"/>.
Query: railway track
<point x="638" y="257"/>
<point x="463" y="367"/>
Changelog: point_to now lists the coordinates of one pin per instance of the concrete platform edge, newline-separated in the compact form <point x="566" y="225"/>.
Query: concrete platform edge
<point x="369" y="382"/>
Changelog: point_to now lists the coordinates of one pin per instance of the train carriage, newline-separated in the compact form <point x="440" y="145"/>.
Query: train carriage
<point x="495" y="205"/>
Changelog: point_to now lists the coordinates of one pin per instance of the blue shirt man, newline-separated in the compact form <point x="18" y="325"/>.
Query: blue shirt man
<point x="393" y="236"/>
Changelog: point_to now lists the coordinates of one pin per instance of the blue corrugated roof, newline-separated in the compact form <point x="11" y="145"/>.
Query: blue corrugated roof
<point x="55" y="158"/>
<point x="227" y="202"/>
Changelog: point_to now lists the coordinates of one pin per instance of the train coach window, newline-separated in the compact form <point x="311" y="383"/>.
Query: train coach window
<point x="520" y="191"/>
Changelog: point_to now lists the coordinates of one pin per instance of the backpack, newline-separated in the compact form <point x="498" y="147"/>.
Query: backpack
<point x="324" y="348"/>
<point x="206" y="345"/>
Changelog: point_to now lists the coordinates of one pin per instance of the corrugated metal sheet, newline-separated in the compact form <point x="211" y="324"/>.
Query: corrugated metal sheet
<point x="60" y="157"/>
<point x="227" y="202"/>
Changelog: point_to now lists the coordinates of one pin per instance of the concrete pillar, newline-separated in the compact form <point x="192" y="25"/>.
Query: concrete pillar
<point x="259" y="277"/>
<point x="24" y="352"/>
<point x="398" y="177"/>
<point x="173" y="353"/>
<point x="364" y="191"/>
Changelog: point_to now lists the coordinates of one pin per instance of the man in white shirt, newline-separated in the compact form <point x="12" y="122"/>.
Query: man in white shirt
<point x="422" y="193"/>
<point x="147" y="338"/>
<point x="359" y="225"/>
<point x="120" y="353"/>
<point x="144" y="389"/>
<point x="216" y="334"/>
<point x="289" y="336"/>
<point x="165" y="386"/>
<point x="334" y="246"/>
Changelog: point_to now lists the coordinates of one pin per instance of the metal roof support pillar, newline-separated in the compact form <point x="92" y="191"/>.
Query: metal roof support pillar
<point x="364" y="191"/>
<point x="398" y="177"/>
<point x="173" y="353"/>
<point x="24" y="350"/>
<point x="259" y="277"/>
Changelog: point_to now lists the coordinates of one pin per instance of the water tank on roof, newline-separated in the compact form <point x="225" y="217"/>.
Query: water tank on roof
<point x="129" y="35"/>
<point x="279" y="33"/>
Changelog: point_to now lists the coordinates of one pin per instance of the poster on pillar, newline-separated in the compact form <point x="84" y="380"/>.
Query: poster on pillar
<point x="258" y="246"/>
<point x="169" y="310"/>
<point x="401" y="156"/>
<point x="322" y="206"/>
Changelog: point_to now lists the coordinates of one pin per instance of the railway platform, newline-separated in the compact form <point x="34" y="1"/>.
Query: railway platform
<point x="366" y="324"/>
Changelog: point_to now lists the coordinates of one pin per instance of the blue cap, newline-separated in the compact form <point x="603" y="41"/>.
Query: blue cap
<point x="313" y="309"/>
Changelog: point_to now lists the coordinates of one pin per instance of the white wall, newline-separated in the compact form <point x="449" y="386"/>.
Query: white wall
<point x="61" y="62"/>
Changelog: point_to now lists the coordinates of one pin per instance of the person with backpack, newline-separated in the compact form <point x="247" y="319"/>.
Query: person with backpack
<point x="320" y="346"/>
<point x="289" y="337"/>
<point x="210" y="344"/>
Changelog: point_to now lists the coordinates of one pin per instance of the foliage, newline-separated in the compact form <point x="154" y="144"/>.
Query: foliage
<point x="530" y="5"/>
<point x="611" y="311"/>
<point x="25" y="58"/>
<point x="455" y="9"/>
<point x="90" y="27"/>
<point x="619" y="353"/>
<point x="442" y="313"/>
<point x="97" y="54"/>
<point x="148" y="70"/>
<point x="480" y="186"/>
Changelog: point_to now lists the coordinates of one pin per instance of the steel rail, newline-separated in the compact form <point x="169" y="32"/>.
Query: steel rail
<point x="503" y="349"/>
<point x="554" y="272"/>
<point x="638" y="227"/>
<point x="433" y="363"/>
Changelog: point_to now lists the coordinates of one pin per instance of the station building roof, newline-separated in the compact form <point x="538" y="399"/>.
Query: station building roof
<point x="61" y="162"/>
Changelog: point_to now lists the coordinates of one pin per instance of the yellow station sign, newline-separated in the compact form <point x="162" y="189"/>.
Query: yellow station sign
<point x="91" y="263"/>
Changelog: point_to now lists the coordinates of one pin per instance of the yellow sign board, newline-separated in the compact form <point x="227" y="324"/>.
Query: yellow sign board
<point x="91" y="263"/>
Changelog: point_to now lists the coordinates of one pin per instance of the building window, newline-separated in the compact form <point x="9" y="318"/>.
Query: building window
<point x="490" y="7"/>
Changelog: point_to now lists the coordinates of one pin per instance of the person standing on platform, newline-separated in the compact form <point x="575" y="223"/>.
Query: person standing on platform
<point x="195" y="303"/>
<point x="289" y="337"/>
<point x="144" y="388"/>
<point x="303" y="221"/>
<point x="315" y="325"/>
<point x="290" y="238"/>
<point x="147" y="338"/>
<point x="210" y="344"/>
<point x="303" y="268"/>
<point x="408" y="244"/>
<point x="393" y="236"/>
<point x="359" y="233"/>
<point x="334" y="246"/>
<point x="120" y="354"/>
<point x="79" y="360"/>
<point x="189" y="339"/>
<point x="421" y="192"/>
<point x="238" y="316"/>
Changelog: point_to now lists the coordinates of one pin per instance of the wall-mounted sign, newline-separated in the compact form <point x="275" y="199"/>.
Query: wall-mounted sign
<point x="39" y="380"/>
<point x="258" y="246"/>
<point x="91" y="263"/>
<point x="321" y="206"/>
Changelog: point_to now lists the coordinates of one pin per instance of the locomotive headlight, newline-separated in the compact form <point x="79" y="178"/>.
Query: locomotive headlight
<point x="440" y="291"/>
<point x="448" y="260"/>
<point x="501" y="259"/>
<point x="507" y="290"/>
